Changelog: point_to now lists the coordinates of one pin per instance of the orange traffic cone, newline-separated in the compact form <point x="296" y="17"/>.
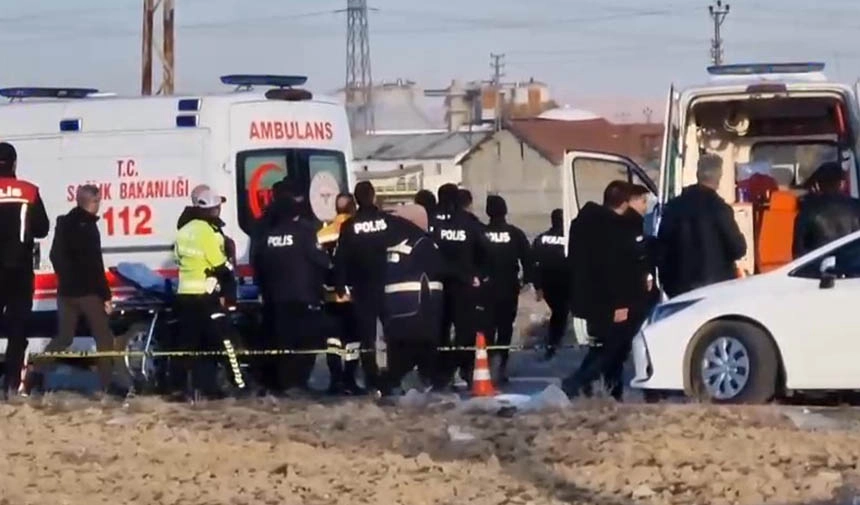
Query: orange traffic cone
<point x="482" y="384"/>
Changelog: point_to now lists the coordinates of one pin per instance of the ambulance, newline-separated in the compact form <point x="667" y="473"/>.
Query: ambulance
<point x="772" y="125"/>
<point x="146" y="154"/>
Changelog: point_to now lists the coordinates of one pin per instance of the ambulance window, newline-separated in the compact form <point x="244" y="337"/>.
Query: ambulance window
<point x="327" y="176"/>
<point x="258" y="172"/>
<point x="792" y="163"/>
<point x="591" y="176"/>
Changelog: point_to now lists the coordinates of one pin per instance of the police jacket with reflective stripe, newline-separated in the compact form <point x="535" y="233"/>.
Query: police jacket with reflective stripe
<point x="413" y="275"/>
<point x="22" y="219"/>
<point x="203" y="264"/>
<point x="292" y="262"/>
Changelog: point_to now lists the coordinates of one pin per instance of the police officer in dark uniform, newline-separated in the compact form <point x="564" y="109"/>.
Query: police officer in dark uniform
<point x="509" y="269"/>
<point x="462" y="243"/>
<point x="22" y="219"/>
<point x="295" y="265"/>
<point x="427" y="199"/>
<point x="551" y="278"/>
<point x="359" y="263"/>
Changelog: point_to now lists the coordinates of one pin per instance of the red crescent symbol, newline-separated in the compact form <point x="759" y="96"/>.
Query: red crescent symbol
<point x="254" y="187"/>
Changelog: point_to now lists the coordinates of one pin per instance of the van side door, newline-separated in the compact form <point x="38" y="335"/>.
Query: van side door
<point x="584" y="176"/>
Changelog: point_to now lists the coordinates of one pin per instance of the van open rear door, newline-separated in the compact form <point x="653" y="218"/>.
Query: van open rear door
<point x="584" y="176"/>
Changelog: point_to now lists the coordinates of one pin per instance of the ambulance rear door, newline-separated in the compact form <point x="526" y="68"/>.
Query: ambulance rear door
<point x="307" y="142"/>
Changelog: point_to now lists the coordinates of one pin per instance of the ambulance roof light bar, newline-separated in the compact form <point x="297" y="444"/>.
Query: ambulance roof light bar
<point x="244" y="82"/>
<point x="766" y="68"/>
<point x="27" y="92"/>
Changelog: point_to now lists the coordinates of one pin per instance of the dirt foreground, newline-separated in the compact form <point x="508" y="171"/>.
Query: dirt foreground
<point x="66" y="450"/>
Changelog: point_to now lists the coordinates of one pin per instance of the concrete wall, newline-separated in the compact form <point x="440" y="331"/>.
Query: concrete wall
<point x="531" y="185"/>
<point x="436" y="172"/>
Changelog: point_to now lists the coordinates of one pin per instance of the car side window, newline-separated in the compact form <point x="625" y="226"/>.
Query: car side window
<point x="591" y="176"/>
<point x="847" y="263"/>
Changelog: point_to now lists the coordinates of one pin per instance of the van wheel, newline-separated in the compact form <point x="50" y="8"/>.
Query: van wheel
<point x="733" y="362"/>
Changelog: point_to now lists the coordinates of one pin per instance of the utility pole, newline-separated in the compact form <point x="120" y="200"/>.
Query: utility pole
<point x="648" y="113"/>
<point x="359" y="80"/>
<point x="497" y="64"/>
<point x="718" y="13"/>
<point x="167" y="52"/>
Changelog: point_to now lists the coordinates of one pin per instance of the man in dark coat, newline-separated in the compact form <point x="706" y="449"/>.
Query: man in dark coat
<point x="827" y="213"/>
<point x="699" y="238"/>
<point x="609" y="287"/>
<point x="83" y="292"/>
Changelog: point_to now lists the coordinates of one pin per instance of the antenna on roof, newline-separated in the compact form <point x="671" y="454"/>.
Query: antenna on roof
<point x="14" y="94"/>
<point x="246" y="82"/>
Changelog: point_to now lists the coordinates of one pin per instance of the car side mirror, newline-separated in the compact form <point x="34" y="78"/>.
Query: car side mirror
<point x="827" y="269"/>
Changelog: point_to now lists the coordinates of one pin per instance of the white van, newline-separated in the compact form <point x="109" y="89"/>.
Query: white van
<point x="780" y="121"/>
<point x="146" y="154"/>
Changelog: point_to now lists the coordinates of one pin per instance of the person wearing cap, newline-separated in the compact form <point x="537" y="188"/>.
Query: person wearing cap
<point x="189" y="212"/>
<point x="207" y="289"/>
<point x="509" y="268"/>
<point x="342" y="370"/>
<point x="294" y="264"/>
<point x="22" y="220"/>
<point x="83" y="291"/>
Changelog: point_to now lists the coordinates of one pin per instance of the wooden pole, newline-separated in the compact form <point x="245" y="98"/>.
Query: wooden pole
<point x="168" y="10"/>
<point x="146" y="56"/>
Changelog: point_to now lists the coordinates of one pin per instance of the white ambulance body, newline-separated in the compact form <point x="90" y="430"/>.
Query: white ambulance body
<point x="787" y="118"/>
<point x="146" y="154"/>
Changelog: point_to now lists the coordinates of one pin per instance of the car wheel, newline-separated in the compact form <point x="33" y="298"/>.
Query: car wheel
<point x="734" y="362"/>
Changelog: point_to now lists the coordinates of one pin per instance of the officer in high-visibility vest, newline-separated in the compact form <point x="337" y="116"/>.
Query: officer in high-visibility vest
<point x="207" y="290"/>
<point x="342" y="370"/>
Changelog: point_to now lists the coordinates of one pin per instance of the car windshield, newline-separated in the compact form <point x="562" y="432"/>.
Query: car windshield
<point x="320" y="174"/>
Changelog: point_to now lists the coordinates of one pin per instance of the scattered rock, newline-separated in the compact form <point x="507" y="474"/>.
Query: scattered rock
<point x="642" y="491"/>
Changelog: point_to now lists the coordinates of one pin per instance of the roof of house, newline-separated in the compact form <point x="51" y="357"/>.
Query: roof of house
<point x="417" y="146"/>
<point x="553" y="138"/>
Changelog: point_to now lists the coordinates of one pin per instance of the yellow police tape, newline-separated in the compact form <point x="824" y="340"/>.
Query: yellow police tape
<point x="262" y="352"/>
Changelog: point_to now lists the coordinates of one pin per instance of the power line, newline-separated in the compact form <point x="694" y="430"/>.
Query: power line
<point x="718" y="13"/>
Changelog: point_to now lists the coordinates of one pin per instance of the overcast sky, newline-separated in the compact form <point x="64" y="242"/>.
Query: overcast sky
<point x="611" y="55"/>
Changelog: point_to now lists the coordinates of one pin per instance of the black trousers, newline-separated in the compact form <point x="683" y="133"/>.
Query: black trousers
<point x="297" y="327"/>
<point x="460" y="311"/>
<point x="367" y="311"/>
<point x="557" y="298"/>
<point x="16" y="306"/>
<point x="502" y="314"/>
<point x="342" y="370"/>
<point x="203" y="326"/>
<point x="604" y="361"/>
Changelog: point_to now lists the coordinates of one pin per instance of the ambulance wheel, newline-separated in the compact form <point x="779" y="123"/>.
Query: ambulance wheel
<point x="734" y="362"/>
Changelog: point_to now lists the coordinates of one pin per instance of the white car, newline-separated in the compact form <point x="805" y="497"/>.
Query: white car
<point x="746" y="341"/>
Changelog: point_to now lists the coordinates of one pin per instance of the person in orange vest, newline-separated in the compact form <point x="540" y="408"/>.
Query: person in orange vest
<point x="341" y="370"/>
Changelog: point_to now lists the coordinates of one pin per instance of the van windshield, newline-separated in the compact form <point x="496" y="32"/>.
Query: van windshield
<point x="321" y="175"/>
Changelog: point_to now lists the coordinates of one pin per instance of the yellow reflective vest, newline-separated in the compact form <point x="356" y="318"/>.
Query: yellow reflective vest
<point x="199" y="249"/>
